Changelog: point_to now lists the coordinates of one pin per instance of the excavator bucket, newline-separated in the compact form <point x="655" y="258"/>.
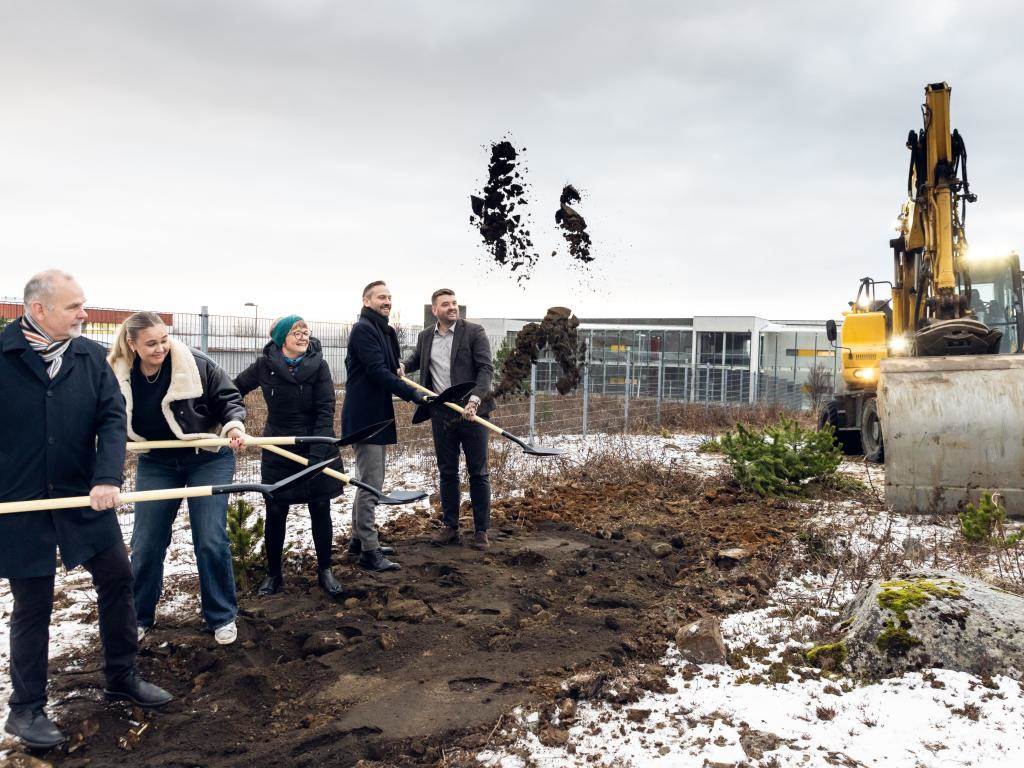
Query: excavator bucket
<point x="953" y="430"/>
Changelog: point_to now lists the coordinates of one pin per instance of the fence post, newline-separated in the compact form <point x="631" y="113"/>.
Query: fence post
<point x="533" y="401"/>
<point x="625" y="394"/>
<point x="661" y="386"/>
<point x="586" y="391"/>
<point x="204" y="329"/>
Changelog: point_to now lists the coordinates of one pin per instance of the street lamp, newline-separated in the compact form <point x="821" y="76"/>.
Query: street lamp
<point x="255" y="322"/>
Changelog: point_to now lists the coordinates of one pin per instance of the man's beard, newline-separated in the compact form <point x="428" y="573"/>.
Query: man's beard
<point x="75" y="331"/>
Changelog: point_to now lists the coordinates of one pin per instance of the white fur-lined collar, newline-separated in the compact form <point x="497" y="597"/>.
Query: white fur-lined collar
<point x="186" y="384"/>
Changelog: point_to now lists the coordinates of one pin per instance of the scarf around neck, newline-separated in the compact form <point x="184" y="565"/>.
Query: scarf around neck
<point x="51" y="351"/>
<point x="380" y="322"/>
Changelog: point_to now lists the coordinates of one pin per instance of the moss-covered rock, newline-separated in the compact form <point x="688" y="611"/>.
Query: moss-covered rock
<point x="928" y="619"/>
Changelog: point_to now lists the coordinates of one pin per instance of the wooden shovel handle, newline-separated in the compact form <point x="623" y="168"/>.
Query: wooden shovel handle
<point x="303" y="460"/>
<point x="207" y="442"/>
<point x="76" y="502"/>
<point x="457" y="408"/>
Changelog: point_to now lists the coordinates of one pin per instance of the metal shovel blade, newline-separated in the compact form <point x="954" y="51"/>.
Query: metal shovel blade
<point x="532" y="450"/>
<point x="395" y="497"/>
<point x="359" y="436"/>
<point x="456" y="393"/>
<point x="300" y="476"/>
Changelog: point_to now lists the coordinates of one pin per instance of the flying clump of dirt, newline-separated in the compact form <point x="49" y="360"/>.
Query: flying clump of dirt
<point x="574" y="226"/>
<point x="499" y="213"/>
<point x="557" y="332"/>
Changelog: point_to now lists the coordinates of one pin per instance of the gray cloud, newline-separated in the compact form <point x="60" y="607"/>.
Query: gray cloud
<point x="735" y="157"/>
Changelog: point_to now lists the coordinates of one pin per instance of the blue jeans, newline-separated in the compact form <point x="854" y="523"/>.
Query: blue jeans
<point x="207" y="517"/>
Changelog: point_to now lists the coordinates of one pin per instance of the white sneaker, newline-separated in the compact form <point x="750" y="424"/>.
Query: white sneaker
<point x="227" y="634"/>
<point x="142" y="633"/>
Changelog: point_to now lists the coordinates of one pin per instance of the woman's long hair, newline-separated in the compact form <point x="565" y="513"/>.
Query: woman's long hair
<point x="129" y="331"/>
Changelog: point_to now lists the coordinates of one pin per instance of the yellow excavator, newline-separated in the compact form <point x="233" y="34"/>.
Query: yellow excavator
<point x="921" y="366"/>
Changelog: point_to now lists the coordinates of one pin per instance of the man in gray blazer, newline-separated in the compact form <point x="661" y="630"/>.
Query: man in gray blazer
<point x="450" y="352"/>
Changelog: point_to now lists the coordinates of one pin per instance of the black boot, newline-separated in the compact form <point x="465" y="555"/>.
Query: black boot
<point x="374" y="560"/>
<point x="34" y="728"/>
<point x="355" y="549"/>
<point x="136" y="690"/>
<point x="325" y="578"/>
<point x="270" y="586"/>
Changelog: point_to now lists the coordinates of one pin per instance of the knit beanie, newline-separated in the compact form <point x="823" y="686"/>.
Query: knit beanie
<point x="282" y="328"/>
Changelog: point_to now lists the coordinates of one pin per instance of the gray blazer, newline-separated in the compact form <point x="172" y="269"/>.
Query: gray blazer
<point x="471" y="360"/>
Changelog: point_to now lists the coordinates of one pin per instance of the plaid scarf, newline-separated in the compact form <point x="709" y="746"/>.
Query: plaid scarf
<point x="51" y="351"/>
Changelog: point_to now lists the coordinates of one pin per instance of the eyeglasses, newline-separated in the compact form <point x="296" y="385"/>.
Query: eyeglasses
<point x="300" y="334"/>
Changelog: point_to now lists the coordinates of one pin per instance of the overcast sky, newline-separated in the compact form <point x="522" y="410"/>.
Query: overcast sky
<point x="735" y="158"/>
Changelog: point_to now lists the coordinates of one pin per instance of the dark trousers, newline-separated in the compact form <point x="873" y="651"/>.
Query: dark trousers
<point x="273" y="533"/>
<point x="30" y="625"/>
<point x="451" y="433"/>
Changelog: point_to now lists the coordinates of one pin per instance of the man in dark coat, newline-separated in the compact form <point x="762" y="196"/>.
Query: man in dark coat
<point x="450" y="352"/>
<point x="63" y="421"/>
<point x="371" y="367"/>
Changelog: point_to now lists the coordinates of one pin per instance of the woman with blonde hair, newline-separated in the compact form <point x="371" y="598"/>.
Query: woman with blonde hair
<point x="173" y="392"/>
<point x="299" y="391"/>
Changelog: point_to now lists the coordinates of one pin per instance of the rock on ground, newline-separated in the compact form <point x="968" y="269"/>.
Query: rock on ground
<point x="930" y="618"/>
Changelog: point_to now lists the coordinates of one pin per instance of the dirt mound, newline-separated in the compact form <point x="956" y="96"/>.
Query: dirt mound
<point x="574" y="226"/>
<point x="582" y="577"/>
<point x="557" y="332"/>
<point x="500" y="212"/>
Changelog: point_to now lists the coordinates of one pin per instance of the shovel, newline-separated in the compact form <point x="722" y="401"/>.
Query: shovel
<point x="531" y="450"/>
<point x="395" y="497"/>
<point x="454" y="394"/>
<point x="214" y="442"/>
<point x="74" y="502"/>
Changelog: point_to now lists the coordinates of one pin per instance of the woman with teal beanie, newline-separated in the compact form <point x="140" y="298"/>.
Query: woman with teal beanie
<point x="299" y="392"/>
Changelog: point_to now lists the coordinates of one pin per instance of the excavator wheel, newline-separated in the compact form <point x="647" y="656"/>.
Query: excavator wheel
<point x="871" y="433"/>
<point x="848" y="440"/>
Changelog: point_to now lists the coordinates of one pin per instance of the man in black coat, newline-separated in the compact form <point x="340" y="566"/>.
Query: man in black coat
<point x="371" y="366"/>
<point x="64" y="434"/>
<point x="451" y="352"/>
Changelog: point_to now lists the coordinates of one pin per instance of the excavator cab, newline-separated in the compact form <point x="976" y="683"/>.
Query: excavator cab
<point x="996" y="298"/>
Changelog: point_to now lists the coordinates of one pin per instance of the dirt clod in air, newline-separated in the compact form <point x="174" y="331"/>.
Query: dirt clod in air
<point x="500" y="211"/>
<point x="574" y="226"/>
<point x="557" y="332"/>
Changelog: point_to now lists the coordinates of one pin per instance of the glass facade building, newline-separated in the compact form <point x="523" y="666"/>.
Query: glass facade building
<point x="702" y="359"/>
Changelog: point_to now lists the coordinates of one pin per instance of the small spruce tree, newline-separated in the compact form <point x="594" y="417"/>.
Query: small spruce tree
<point x="246" y="538"/>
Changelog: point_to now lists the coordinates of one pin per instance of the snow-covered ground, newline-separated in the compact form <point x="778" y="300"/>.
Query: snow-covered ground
<point x="712" y="714"/>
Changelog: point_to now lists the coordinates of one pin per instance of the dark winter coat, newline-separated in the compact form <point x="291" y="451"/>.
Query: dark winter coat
<point x="470" y="361"/>
<point x="370" y="365"/>
<point x="57" y="438"/>
<point x="201" y="400"/>
<point x="300" y="403"/>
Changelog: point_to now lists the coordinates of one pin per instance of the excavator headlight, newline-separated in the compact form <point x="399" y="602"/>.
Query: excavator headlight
<point x="898" y="345"/>
<point x="865" y="374"/>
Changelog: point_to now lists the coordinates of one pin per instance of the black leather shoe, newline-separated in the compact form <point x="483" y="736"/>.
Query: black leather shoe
<point x="270" y="586"/>
<point x="325" y="578"/>
<point x="136" y="690"/>
<point x="355" y="548"/>
<point x="374" y="560"/>
<point x="34" y="728"/>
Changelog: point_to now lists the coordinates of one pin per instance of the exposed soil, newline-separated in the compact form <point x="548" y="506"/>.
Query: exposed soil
<point x="557" y="332"/>
<point x="574" y="226"/>
<point x="583" y="579"/>
<point x="500" y="211"/>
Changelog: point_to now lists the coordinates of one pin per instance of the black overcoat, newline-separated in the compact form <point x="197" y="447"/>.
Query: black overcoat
<point x="370" y="381"/>
<point x="57" y="438"/>
<point x="302" y="403"/>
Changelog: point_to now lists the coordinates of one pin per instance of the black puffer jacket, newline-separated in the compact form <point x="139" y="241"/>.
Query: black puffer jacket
<point x="302" y="403"/>
<point x="201" y="400"/>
